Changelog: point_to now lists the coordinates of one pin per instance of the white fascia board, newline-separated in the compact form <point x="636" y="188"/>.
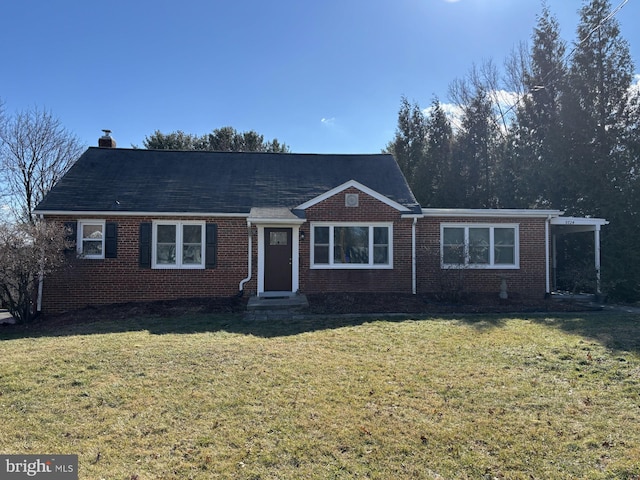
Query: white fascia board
<point x="359" y="186"/>
<point x="109" y="213"/>
<point x="274" y="221"/>
<point x="579" y="221"/>
<point x="489" y="212"/>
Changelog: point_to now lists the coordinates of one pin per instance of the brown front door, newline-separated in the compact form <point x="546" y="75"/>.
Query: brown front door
<point x="277" y="259"/>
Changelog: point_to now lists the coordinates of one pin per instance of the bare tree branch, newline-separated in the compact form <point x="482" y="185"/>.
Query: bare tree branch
<point x="28" y="252"/>
<point x="35" y="151"/>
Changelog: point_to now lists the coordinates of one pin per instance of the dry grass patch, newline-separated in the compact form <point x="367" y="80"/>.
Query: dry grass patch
<point x="216" y="397"/>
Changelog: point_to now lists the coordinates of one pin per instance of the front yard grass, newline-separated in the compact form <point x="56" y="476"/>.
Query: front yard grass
<point x="205" y="396"/>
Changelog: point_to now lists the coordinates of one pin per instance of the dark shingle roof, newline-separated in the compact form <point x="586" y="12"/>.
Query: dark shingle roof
<point x="136" y="180"/>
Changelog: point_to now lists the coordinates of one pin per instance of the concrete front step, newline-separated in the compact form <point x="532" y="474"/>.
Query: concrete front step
<point x="285" y="302"/>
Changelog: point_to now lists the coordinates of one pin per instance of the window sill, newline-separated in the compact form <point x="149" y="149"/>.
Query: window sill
<point x="176" y="267"/>
<point x="479" y="267"/>
<point x="351" y="266"/>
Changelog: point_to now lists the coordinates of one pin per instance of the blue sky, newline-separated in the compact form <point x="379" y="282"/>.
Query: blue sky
<point x="324" y="76"/>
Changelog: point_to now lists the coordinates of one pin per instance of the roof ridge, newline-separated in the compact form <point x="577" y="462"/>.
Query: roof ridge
<point x="315" y="154"/>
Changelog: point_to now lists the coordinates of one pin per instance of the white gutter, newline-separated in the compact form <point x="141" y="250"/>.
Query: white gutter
<point x="413" y="256"/>
<point x="546" y="255"/>
<point x="489" y="212"/>
<point x="250" y="267"/>
<point x="40" y="284"/>
<point x="116" y="213"/>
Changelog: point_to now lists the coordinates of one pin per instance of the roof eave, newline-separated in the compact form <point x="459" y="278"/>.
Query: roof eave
<point x="111" y="213"/>
<point x="489" y="212"/>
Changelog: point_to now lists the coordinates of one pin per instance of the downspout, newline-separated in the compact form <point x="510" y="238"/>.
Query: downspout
<point x="250" y="267"/>
<point x="40" y="281"/>
<point x="596" y="241"/>
<point x="413" y="256"/>
<point x="546" y="256"/>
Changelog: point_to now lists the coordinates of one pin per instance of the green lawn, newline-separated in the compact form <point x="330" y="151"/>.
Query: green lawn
<point x="207" y="397"/>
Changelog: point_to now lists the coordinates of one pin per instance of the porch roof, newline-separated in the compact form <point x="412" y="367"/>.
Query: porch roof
<point x="577" y="224"/>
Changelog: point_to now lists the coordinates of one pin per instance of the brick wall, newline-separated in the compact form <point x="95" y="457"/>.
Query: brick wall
<point x="117" y="280"/>
<point x="95" y="282"/>
<point x="527" y="281"/>
<point x="369" y="209"/>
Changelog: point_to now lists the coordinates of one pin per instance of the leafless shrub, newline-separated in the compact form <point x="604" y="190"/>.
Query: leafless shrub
<point x="28" y="252"/>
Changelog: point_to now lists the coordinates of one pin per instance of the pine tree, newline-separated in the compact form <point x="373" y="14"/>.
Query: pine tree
<point x="476" y="150"/>
<point x="601" y="121"/>
<point x="539" y="170"/>
<point x="408" y="145"/>
<point x="436" y="182"/>
<point x="595" y="109"/>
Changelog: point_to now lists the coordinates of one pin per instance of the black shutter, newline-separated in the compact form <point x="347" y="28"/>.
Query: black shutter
<point x="111" y="240"/>
<point x="71" y="231"/>
<point x="145" y="245"/>
<point x="211" y="248"/>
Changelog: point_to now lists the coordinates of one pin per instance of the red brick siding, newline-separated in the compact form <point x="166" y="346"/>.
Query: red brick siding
<point x="115" y="280"/>
<point x="369" y="209"/>
<point x="95" y="282"/>
<point x="527" y="281"/>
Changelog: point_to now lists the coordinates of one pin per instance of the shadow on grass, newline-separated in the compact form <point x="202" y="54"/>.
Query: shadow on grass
<point x="617" y="331"/>
<point x="192" y="323"/>
<point x="613" y="330"/>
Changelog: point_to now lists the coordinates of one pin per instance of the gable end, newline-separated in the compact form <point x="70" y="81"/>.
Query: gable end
<point x="358" y="186"/>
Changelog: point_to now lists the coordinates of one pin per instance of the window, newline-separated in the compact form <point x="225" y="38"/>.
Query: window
<point x="351" y="246"/>
<point x="479" y="246"/>
<point x="90" y="241"/>
<point x="178" y="244"/>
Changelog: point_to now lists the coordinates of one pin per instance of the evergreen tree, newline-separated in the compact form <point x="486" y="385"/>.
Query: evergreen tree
<point x="225" y="139"/>
<point x="476" y="150"/>
<point x="409" y="143"/>
<point x="595" y="110"/>
<point x="538" y="166"/>
<point x="601" y="121"/>
<point x="437" y="182"/>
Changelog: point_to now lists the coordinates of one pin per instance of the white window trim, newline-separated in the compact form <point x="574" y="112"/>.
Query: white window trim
<point x="178" y="265"/>
<point x="486" y="266"/>
<point x="79" y="243"/>
<point x="351" y="266"/>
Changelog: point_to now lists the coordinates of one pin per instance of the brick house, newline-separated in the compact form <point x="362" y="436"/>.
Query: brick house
<point x="155" y="225"/>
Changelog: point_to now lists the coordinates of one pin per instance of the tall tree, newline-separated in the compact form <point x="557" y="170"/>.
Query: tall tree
<point x="595" y="113"/>
<point x="35" y="151"/>
<point x="600" y="117"/>
<point x="538" y="169"/>
<point x="409" y="143"/>
<point x="436" y="180"/>
<point x="221" y="139"/>
<point x="476" y="149"/>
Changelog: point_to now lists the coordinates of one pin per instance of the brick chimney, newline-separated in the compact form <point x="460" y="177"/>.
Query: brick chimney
<point x="106" y="141"/>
